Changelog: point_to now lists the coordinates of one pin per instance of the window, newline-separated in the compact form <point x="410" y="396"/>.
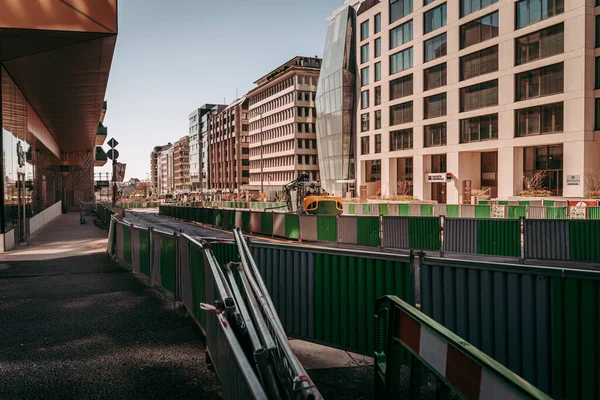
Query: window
<point x="434" y="77"/>
<point x="478" y="31"/>
<point x="299" y="159"/>
<point x="481" y="95"/>
<point x="377" y="143"/>
<point x="378" y="23"/>
<point x="531" y="11"/>
<point x="401" y="34"/>
<point x="539" y="120"/>
<point x="377" y="72"/>
<point x="539" y="82"/>
<point x="470" y="6"/>
<point x="401" y="140"/>
<point x="378" y="119"/>
<point x="435" y="135"/>
<point x="364" y="145"/>
<point x="435" y="47"/>
<point x="597" y="73"/>
<point x="434" y="106"/>
<point x="435" y="18"/>
<point x="364" y="30"/>
<point x="401" y="113"/>
<point x="364" y="122"/>
<point x="597" y="30"/>
<point x="596" y="114"/>
<point x="401" y="61"/>
<point x="479" y="63"/>
<point x="400" y="9"/>
<point x="364" y="53"/>
<point x="541" y="44"/>
<point x="401" y="87"/>
<point x="480" y="128"/>
<point x="364" y="99"/>
<point x="378" y="95"/>
<point x="364" y="76"/>
<point x="377" y="47"/>
<point x="426" y="2"/>
<point x="549" y="160"/>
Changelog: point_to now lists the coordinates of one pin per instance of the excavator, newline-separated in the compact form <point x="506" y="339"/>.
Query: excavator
<point x="309" y="198"/>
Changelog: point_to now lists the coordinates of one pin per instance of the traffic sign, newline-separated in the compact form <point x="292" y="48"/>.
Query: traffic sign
<point x="113" y="143"/>
<point x="113" y="154"/>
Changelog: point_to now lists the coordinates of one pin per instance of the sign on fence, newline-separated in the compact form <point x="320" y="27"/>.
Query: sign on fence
<point x="498" y="211"/>
<point x="578" y="212"/>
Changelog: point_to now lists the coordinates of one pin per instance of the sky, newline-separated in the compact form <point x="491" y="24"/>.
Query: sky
<point x="174" y="56"/>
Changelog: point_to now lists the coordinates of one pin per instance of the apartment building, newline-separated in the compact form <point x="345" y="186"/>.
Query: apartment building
<point x="181" y="165"/>
<point x="282" y="117"/>
<point x="229" y="148"/>
<point x="154" y="167"/>
<point x="486" y="91"/>
<point x="194" y="119"/>
<point x="166" y="184"/>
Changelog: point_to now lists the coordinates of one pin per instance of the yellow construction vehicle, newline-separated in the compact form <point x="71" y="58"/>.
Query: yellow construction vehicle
<point x="309" y="198"/>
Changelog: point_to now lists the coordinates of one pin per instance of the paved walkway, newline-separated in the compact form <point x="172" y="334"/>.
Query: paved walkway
<point x="73" y="325"/>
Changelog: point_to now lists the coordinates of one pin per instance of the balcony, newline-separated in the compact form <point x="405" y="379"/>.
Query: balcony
<point x="101" y="134"/>
<point x="101" y="157"/>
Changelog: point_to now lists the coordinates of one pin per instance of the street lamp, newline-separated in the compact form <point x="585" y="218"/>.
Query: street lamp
<point x="261" y="148"/>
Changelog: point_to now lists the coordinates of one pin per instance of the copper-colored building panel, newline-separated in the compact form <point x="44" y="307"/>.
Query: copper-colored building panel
<point x="60" y="15"/>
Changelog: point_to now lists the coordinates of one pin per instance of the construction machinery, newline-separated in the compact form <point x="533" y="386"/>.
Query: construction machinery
<point x="310" y="198"/>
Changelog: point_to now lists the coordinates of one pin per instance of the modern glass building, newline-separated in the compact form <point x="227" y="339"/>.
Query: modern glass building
<point x="55" y="60"/>
<point x="336" y="103"/>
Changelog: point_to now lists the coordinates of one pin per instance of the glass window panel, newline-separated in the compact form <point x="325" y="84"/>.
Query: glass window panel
<point x="479" y="63"/>
<point x="480" y="128"/>
<point x="435" y="47"/>
<point x="364" y="30"/>
<point x="401" y="87"/>
<point x="377" y="72"/>
<point x="434" y="77"/>
<point x="364" y="76"/>
<point x="470" y="6"/>
<point x="377" y="47"/>
<point x="539" y="120"/>
<point x="401" y="140"/>
<point x="541" y="44"/>
<point x="364" y="99"/>
<point x="401" y="61"/>
<point x="435" y="18"/>
<point x="401" y="34"/>
<point x="364" y="53"/>
<point x="479" y="96"/>
<point x="400" y="9"/>
<point x="435" y="106"/>
<point x="531" y="11"/>
<point x="435" y="135"/>
<point x="401" y="113"/>
<point x="480" y="30"/>
<point x="378" y="23"/>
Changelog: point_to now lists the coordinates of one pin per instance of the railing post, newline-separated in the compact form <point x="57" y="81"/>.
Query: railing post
<point x="522" y="237"/>
<point x="442" y="236"/>
<point x="177" y="294"/>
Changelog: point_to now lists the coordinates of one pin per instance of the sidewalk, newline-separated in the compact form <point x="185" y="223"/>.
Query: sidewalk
<point x="74" y="325"/>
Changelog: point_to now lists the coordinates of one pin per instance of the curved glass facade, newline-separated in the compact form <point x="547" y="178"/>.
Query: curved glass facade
<point x="336" y="103"/>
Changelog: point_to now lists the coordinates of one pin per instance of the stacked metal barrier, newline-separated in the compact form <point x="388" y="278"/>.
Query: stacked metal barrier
<point x="245" y="340"/>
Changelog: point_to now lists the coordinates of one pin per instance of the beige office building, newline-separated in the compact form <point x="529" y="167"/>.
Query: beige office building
<point x="486" y="90"/>
<point x="282" y="117"/>
<point x="181" y="165"/>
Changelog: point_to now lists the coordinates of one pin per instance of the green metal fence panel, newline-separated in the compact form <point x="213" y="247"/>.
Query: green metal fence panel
<point x="266" y="223"/>
<point x="225" y="253"/>
<point x="503" y="202"/>
<point x="366" y="209"/>
<point x="144" y="253"/>
<point x="198" y="284"/>
<point x="167" y="263"/>
<point x="352" y="209"/>
<point x="383" y="209"/>
<point x="292" y="226"/>
<point x="556" y="213"/>
<point x="517" y="212"/>
<point x="326" y="228"/>
<point x="127" y="244"/>
<point x="500" y="237"/>
<point x="524" y="202"/>
<point x="593" y="212"/>
<point x="404" y="210"/>
<point x="219" y="218"/>
<point x="424" y="233"/>
<point x="484" y="202"/>
<point x="548" y="203"/>
<point x="584" y="238"/>
<point x="246" y="221"/>
<point x="482" y="211"/>
<point x="452" y="210"/>
<point x="346" y="289"/>
<point x="368" y="231"/>
<point x="426" y="210"/>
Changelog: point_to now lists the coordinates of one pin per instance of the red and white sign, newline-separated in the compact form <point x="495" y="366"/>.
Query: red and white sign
<point x="579" y="203"/>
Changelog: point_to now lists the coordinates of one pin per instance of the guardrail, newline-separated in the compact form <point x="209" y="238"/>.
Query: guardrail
<point x="244" y="339"/>
<point x="540" y="322"/>
<point x="435" y="361"/>
<point x="517" y="238"/>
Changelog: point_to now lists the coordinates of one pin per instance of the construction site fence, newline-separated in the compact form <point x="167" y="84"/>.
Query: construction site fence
<point x="541" y="323"/>
<point x="519" y="239"/>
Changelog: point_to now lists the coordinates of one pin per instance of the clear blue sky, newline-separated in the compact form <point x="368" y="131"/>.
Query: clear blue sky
<point x="174" y="56"/>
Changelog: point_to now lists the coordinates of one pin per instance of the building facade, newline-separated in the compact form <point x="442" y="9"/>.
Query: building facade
<point x="194" y="119"/>
<point x="488" y="91"/>
<point x="166" y="182"/>
<point x="282" y="116"/>
<point x="336" y="100"/>
<point x="51" y="105"/>
<point x="181" y="165"/>
<point x="229" y="148"/>
<point x="155" y="168"/>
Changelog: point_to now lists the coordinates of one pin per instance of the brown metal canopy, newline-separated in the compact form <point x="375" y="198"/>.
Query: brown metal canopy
<point x="59" y="54"/>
